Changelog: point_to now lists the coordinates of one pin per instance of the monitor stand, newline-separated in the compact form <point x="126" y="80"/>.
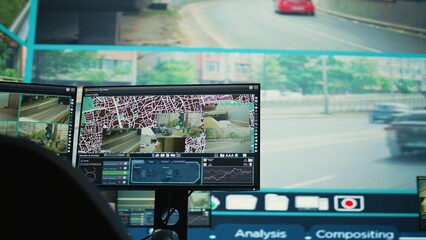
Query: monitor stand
<point x="166" y="200"/>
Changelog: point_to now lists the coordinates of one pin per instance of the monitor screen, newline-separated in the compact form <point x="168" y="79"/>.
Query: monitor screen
<point x="136" y="208"/>
<point x="421" y="188"/>
<point x="197" y="137"/>
<point x="42" y="113"/>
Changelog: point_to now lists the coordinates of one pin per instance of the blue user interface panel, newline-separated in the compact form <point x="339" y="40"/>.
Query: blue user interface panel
<point x="309" y="215"/>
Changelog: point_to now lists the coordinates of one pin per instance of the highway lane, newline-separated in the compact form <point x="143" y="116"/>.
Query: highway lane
<point x="341" y="151"/>
<point x="254" y="25"/>
<point x="55" y="113"/>
<point x="126" y="142"/>
<point x="6" y="116"/>
<point x="236" y="146"/>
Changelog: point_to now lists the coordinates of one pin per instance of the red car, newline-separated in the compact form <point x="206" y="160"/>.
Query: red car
<point x="294" y="6"/>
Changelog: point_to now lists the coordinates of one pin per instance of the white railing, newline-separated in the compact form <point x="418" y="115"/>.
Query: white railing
<point x="339" y="103"/>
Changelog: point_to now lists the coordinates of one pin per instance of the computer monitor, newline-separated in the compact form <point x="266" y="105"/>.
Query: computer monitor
<point x="193" y="137"/>
<point x="42" y="113"/>
<point x="421" y="190"/>
<point x="136" y="208"/>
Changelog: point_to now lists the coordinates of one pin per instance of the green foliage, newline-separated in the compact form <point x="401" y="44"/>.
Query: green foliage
<point x="233" y="135"/>
<point x="384" y="84"/>
<point x="38" y="135"/>
<point x="344" y="75"/>
<point x="201" y="203"/>
<point x="9" y="10"/>
<point x="194" y="132"/>
<point x="405" y="86"/>
<point x="50" y="64"/>
<point x="3" y="54"/>
<point x="212" y="133"/>
<point x="122" y="70"/>
<point x="338" y="76"/>
<point x="302" y="73"/>
<point x="9" y="72"/>
<point x="269" y="74"/>
<point x="172" y="123"/>
<point x="364" y="72"/>
<point x="168" y="72"/>
<point x="95" y="76"/>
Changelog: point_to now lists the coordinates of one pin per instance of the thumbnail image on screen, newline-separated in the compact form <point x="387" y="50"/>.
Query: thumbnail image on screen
<point x="190" y="136"/>
<point x="44" y="114"/>
<point x="136" y="208"/>
<point x="421" y="187"/>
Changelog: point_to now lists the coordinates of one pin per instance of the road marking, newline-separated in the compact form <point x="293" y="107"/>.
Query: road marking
<point x="311" y="182"/>
<point x="304" y="139"/>
<point x="323" y="142"/>
<point x="194" y="10"/>
<point x="319" y="33"/>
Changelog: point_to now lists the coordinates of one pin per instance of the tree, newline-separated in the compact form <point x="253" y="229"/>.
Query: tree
<point x="168" y="72"/>
<point x="339" y="76"/>
<point x="270" y="72"/>
<point x="405" y="86"/>
<point x="9" y="10"/>
<point x="302" y="73"/>
<point x="5" y="43"/>
<point x="233" y="135"/>
<point x="50" y="64"/>
<point x="364" y="72"/>
<point x="384" y="84"/>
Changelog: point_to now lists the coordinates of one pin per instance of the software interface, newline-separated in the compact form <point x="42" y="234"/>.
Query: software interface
<point x="421" y="185"/>
<point x="196" y="136"/>
<point x="42" y="113"/>
<point x="136" y="208"/>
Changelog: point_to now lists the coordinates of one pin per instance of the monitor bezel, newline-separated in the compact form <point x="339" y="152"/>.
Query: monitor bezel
<point x="422" y="226"/>
<point x="44" y="89"/>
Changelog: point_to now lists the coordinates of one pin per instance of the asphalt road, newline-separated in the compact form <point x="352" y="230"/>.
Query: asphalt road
<point x="54" y="113"/>
<point x="333" y="152"/>
<point x="254" y="25"/>
<point x="229" y="147"/>
<point x="128" y="142"/>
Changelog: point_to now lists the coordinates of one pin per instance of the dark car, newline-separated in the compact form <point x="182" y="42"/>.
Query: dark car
<point x="386" y="112"/>
<point x="167" y="132"/>
<point x="294" y="6"/>
<point x="407" y="133"/>
<point x="156" y="130"/>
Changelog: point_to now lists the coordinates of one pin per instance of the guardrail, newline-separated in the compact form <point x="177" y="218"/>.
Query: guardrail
<point x="385" y="13"/>
<point x="10" y="79"/>
<point x="337" y="103"/>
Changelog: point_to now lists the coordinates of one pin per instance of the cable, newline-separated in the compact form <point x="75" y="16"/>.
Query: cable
<point x="147" y="237"/>
<point x="170" y="212"/>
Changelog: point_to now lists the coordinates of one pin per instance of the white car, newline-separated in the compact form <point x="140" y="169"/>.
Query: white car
<point x="224" y="123"/>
